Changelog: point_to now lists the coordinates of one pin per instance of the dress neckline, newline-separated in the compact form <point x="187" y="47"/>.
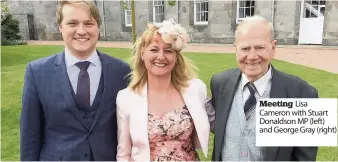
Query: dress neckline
<point x="167" y="113"/>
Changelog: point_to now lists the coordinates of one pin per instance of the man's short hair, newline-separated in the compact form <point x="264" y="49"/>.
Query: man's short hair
<point x="255" y="19"/>
<point x="94" y="12"/>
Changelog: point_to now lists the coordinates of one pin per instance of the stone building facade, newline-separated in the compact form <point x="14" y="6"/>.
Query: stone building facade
<point x="213" y="21"/>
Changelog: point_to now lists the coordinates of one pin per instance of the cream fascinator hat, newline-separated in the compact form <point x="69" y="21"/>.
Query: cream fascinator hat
<point x="172" y="33"/>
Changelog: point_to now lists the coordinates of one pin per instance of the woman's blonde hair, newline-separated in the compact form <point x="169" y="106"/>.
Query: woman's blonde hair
<point x="183" y="71"/>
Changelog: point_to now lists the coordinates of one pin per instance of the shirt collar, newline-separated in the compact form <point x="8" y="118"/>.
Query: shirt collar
<point x="260" y="84"/>
<point x="72" y="60"/>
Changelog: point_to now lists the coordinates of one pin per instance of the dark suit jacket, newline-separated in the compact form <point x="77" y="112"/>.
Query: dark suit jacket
<point x="223" y="88"/>
<point x="51" y="127"/>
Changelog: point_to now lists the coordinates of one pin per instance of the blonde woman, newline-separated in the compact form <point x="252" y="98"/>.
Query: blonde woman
<point x="161" y="115"/>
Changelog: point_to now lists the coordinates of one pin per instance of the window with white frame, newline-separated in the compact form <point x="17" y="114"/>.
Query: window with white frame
<point x="314" y="8"/>
<point x="127" y="13"/>
<point x="201" y="12"/>
<point x="158" y="11"/>
<point x="245" y="8"/>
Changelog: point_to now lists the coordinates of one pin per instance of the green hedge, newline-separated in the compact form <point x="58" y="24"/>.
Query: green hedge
<point x="5" y="42"/>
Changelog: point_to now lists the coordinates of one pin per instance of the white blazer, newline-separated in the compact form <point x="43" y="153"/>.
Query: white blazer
<point x="132" y="120"/>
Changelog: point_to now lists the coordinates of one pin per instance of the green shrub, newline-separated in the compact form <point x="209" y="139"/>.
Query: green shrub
<point x="10" y="28"/>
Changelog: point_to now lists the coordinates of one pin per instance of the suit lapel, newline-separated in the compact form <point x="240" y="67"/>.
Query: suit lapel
<point x="277" y="85"/>
<point x="277" y="91"/>
<point x="223" y="105"/>
<point x="107" y="82"/>
<point x="63" y="80"/>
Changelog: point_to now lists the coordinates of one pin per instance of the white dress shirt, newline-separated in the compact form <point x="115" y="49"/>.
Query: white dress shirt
<point x="94" y="71"/>
<point x="261" y="85"/>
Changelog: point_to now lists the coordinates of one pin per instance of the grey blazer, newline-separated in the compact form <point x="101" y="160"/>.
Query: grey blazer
<point x="223" y="86"/>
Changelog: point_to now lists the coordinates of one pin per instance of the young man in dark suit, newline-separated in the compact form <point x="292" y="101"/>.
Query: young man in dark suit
<point x="68" y="106"/>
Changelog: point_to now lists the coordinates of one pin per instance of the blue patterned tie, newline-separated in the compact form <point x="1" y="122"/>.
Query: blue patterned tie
<point x="251" y="101"/>
<point x="82" y="96"/>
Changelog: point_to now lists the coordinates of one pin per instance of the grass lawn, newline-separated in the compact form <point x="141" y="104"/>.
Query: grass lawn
<point x="15" y="58"/>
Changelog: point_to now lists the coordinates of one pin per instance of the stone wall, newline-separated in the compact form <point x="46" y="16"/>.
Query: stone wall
<point x="286" y="21"/>
<point x="23" y="26"/>
<point x="222" y="22"/>
<point x="331" y="24"/>
<point x="285" y="15"/>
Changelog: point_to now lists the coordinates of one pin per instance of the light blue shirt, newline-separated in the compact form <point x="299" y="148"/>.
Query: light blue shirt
<point x="94" y="71"/>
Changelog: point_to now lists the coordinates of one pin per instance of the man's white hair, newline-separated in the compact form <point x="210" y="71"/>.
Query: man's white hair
<point x="256" y="19"/>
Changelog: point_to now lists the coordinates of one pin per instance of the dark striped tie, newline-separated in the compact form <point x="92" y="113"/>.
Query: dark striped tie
<point x="251" y="101"/>
<point x="82" y="96"/>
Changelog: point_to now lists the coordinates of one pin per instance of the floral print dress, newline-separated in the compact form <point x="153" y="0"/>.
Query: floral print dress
<point x="171" y="136"/>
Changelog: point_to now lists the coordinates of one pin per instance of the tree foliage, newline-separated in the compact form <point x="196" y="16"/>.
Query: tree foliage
<point x="4" y="11"/>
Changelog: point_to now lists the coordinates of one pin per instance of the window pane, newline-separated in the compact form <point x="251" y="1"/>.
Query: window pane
<point x="322" y="2"/>
<point x="162" y="17"/>
<point x="252" y="11"/>
<point x="315" y="2"/>
<point x="314" y="11"/>
<point x="157" y="19"/>
<point x="162" y="11"/>
<point x="247" y="3"/>
<point x="241" y="3"/>
<point x="203" y="16"/>
<point x="158" y="14"/>
<point x="129" y="18"/>
<point x="247" y="12"/>
<point x="241" y="12"/>
<point x="198" y="17"/>
<point x="307" y="13"/>
<point x="315" y="7"/>
<point x="252" y="3"/>
<point x="202" y="6"/>
<point x="322" y="10"/>
<point x="157" y="10"/>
